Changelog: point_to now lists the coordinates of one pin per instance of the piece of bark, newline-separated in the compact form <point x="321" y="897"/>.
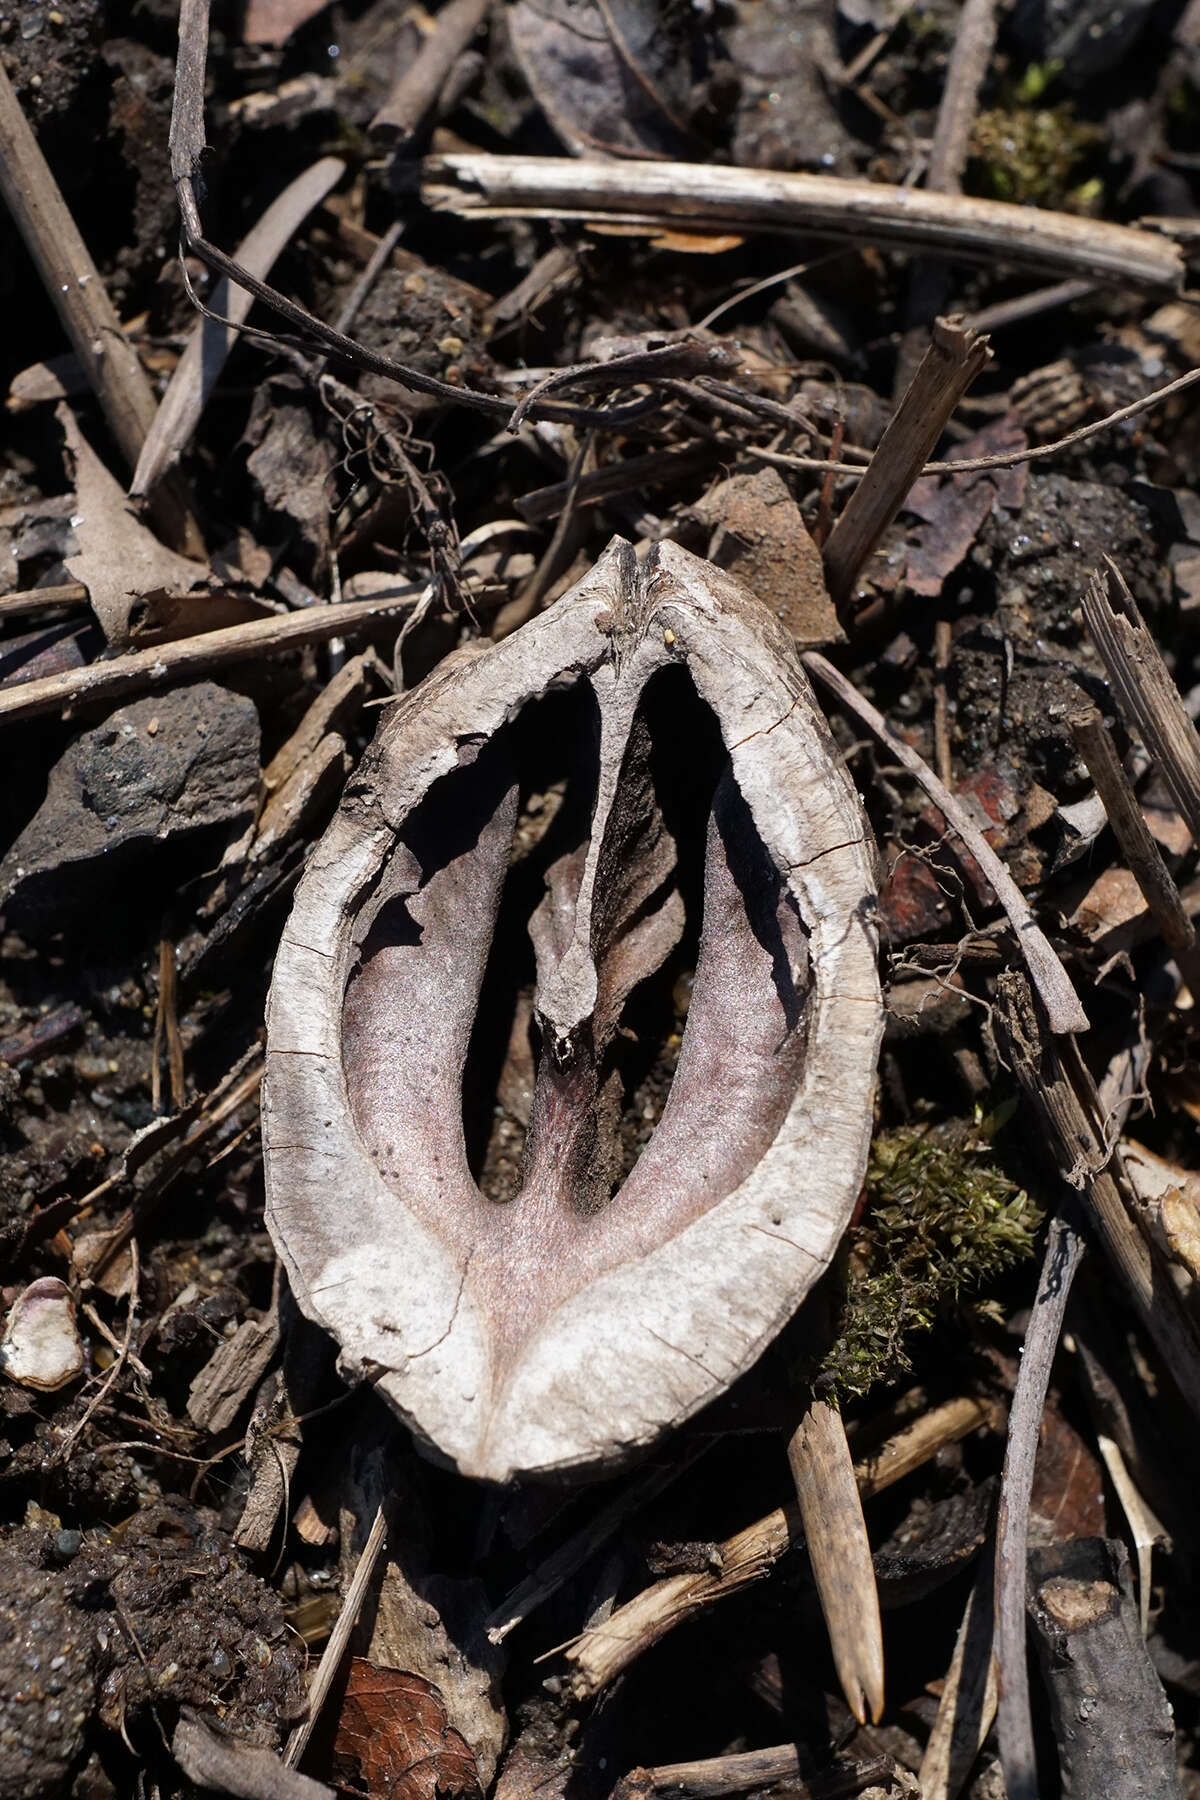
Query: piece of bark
<point x="1112" y="1723"/>
<point x="272" y="1452"/>
<point x="564" y="1328"/>
<point x="759" y="535"/>
<point x="232" y="1373"/>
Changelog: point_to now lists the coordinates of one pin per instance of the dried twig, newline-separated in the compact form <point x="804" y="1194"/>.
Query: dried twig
<point x="703" y="196"/>
<point x="416" y="91"/>
<point x="1132" y="833"/>
<point x="32" y="600"/>
<point x="606" y="1649"/>
<point x="840" y="1553"/>
<point x="747" y="1770"/>
<point x="166" y="1031"/>
<point x="79" y="296"/>
<point x="339" y="1637"/>
<point x="184" y="658"/>
<point x="624" y="476"/>
<point x="1144" y="689"/>
<point x="1112" y="1722"/>
<point x="1064" y="1251"/>
<point x="213" y="336"/>
<point x="974" y="38"/>
<point x="941" y="702"/>
<point x="1046" y="971"/>
<point x="187" y="148"/>
<point x="1058" y="1085"/>
<point x="954" y="358"/>
<point x="968" y="1703"/>
<point x="1023" y="307"/>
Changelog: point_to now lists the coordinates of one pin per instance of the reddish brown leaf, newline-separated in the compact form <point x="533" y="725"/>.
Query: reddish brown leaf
<point x="395" y="1740"/>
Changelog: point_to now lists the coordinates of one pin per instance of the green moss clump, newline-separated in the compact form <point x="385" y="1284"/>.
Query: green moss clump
<point x="942" y="1220"/>
<point x="1035" y="156"/>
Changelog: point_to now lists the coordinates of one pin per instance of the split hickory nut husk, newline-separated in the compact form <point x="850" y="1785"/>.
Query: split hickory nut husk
<point x="542" y="839"/>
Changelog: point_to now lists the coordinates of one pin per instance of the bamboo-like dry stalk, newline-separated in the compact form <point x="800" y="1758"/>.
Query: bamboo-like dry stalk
<point x="706" y="197"/>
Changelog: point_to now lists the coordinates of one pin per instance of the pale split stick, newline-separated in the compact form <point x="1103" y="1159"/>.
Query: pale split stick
<point x="1145" y="1528"/>
<point x="166" y="665"/>
<point x="706" y="196"/>
<point x="1062" y="1004"/>
<point x="840" y="1553"/>
<point x="954" y="358"/>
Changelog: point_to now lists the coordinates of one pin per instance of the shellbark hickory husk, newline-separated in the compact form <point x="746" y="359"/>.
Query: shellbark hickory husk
<point x="542" y="839"/>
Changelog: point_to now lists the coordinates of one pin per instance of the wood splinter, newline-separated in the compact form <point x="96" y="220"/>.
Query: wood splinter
<point x="840" y="1553"/>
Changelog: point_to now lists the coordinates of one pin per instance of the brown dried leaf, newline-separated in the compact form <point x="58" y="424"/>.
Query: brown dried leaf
<point x="578" y="70"/>
<point x="394" y="1737"/>
<point x="953" y="507"/>
<point x="119" y="560"/>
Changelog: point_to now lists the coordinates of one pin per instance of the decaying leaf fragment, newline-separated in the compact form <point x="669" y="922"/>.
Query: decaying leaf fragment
<point x="635" y="787"/>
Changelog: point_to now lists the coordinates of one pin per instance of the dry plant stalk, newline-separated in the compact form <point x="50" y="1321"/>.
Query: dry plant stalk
<point x="707" y="197"/>
<point x="166" y="665"/>
<point x="698" y="805"/>
<point x="955" y="356"/>
<point x="1063" y="1008"/>
<point x="1062" y="1095"/>
<point x="1137" y="843"/>
<point x="1144" y="689"/>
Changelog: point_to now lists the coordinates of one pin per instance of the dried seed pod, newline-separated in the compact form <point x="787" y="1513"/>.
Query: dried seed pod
<point x="41" y="1347"/>
<point x="542" y="840"/>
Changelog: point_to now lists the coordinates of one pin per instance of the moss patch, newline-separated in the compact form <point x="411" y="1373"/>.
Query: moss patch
<point x="1035" y="156"/>
<point x="941" y="1222"/>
